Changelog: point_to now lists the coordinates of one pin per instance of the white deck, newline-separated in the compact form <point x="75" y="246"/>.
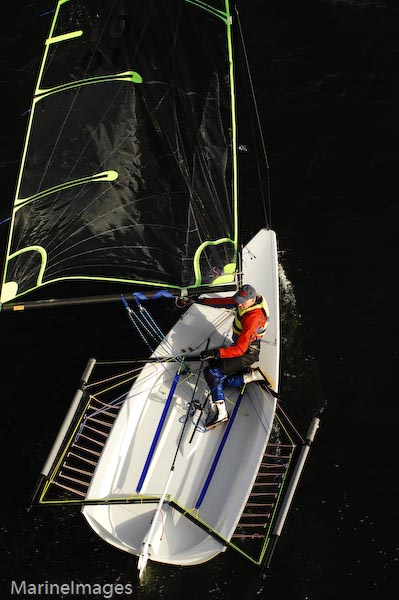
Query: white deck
<point x="176" y="540"/>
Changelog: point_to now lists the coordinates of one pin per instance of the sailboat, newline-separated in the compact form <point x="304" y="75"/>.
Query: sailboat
<point x="128" y="189"/>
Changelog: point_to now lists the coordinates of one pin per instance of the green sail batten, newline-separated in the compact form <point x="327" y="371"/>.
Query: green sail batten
<point x="128" y="76"/>
<point x="97" y="178"/>
<point x="50" y="39"/>
<point x="211" y="9"/>
<point x="63" y="38"/>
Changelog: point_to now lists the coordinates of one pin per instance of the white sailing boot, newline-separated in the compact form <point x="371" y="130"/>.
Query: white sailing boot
<point x="218" y="416"/>
<point x="257" y="375"/>
<point x="253" y="375"/>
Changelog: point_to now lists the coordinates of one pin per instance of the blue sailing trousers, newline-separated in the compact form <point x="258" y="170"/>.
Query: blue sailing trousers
<point x="229" y="371"/>
<point x="216" y="380"/>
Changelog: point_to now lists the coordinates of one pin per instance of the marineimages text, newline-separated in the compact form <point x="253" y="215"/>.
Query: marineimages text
<point x="70" y="588"/>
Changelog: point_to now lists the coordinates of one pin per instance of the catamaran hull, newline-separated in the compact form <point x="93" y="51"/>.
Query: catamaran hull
<point x="188" y="486"/>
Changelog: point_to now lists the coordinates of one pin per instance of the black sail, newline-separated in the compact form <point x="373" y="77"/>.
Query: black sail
<point x="128" y="172"/>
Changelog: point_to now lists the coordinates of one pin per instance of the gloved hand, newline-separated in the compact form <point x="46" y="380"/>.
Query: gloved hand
<point x="185" y="301"/>
<point x="209" y="354"/>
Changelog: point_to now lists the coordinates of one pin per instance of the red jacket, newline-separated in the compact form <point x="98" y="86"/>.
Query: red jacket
<point x="252" y="322"/>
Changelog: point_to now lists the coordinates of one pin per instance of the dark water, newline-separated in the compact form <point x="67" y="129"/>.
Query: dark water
<point x="327" y="80"/>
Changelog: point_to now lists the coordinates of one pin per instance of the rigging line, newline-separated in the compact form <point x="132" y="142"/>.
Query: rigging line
<point x="278" y="406"/>
<point x="148" y="380"/>
<point x="167" y="346"/>
<point x="113" y="377"/>
<point x="201" y="410"/>
<point x="150" y="326"/>
<point x="192" y="401"/>
<point x="136" y="322"/>
<point x="139" y="361"/>
<point x="184" y="424"/>
<point x="131" y="361"/>
<point x="147" y="330"/>
<point x="268" y="221"/>
<point x="216" y="324"/>
<point x="98" y="411"/>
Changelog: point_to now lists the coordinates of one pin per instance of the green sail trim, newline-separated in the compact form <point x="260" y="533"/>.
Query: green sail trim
<point x="225" y="16"/>
<point x="228" y="276"/>
<point x="64" y="37"/>
<point x="228" y="270"/>
<point x="128" y="76"/>
<point x="9" y="290"/>
<point x="97" y="178"/>
<point x="48" y="86"/>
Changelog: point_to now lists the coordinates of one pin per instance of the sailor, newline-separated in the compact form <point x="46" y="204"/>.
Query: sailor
<point x="230" y="365"/>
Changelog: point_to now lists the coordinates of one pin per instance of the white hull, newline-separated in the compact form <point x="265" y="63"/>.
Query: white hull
<point x="164" y="532"/>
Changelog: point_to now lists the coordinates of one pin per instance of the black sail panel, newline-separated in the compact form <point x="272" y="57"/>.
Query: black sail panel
<point x="128" y="169"/>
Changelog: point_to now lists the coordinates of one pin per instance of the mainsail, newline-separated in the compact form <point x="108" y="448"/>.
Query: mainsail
<point x="129" y="176"/>
<point x="129" y="171"/>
